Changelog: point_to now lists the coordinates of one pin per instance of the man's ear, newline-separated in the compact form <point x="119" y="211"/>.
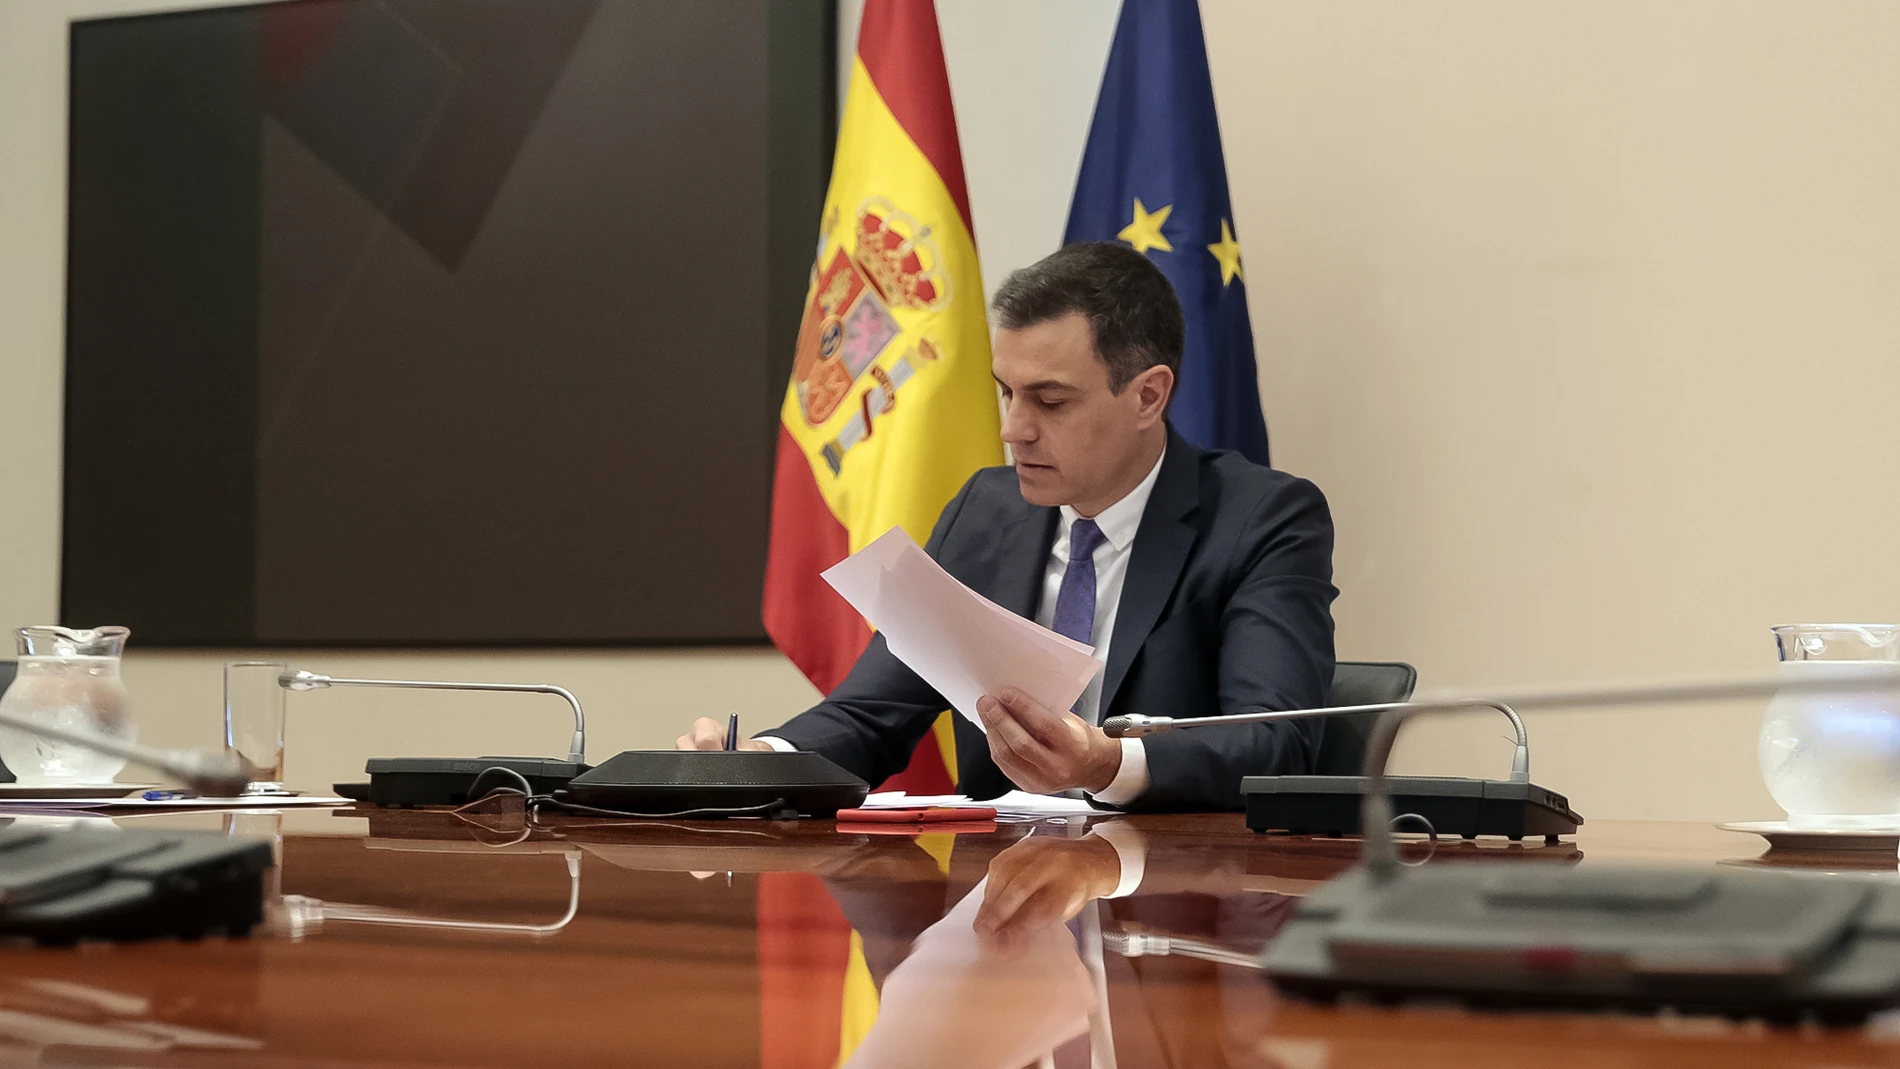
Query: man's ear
<point x="1152" y="388"/>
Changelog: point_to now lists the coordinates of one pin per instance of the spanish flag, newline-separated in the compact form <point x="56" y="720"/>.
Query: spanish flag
<point x="891" y="406"/>
<point x="890" y="409"/>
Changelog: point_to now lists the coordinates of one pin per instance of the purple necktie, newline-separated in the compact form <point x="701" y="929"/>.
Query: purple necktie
<point x="1075" y="602"/>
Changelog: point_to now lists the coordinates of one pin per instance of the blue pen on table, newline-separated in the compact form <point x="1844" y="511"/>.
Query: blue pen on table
<point x="167" y="796"/>
<point x="732" y="732"/>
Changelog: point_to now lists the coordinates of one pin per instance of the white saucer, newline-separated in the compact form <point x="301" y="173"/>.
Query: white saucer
<point x="71" y="790"/>
<point x="1783" y="836"/>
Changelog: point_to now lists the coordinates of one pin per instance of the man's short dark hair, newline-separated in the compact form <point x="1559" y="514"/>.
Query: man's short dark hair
<point x="1129" y="304"/>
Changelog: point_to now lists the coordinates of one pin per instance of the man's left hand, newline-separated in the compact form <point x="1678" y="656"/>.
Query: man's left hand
<point x="1044" y="751"/>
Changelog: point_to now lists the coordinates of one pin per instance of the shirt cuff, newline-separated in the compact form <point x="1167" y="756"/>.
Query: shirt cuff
<point x="1131" y="847"/>
<point x="1131" y="779"/>
<point x="782" y="746"/>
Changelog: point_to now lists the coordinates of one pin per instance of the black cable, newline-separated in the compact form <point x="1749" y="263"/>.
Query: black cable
<point x="476" y="795"/>
<point x="540" y="801"/>
<point x="696" y="829"/>
<point x="535" y="802"/>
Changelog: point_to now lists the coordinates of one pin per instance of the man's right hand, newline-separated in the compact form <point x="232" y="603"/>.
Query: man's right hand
<point x="710" y="734"/>
<point x="1042" y="881"/>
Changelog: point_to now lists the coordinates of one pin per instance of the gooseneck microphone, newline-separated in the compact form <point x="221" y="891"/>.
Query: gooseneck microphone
<point x="1136" y="726"/>
<point x="1381" y="857"/>
<point x="214" y="773"/>
<point x="1516" y="807"/>
<point x="301" y="915"/>
<point x="1137" y="941"/>
<point x="576" y="749"/>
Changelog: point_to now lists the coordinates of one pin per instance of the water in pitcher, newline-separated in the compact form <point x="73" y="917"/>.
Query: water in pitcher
<point x="69" y="679"/>
<point x="1832" y="759"/>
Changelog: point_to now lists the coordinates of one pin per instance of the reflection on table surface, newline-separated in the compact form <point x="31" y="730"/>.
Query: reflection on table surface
<point x="474" y="939"/>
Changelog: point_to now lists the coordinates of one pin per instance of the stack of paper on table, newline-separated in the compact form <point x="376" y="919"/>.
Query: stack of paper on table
<point x="961" y="643"/>
<point x="1013" y="804"/>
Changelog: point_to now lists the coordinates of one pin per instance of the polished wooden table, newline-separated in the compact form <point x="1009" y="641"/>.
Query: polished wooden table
<point x="429" y="938"/>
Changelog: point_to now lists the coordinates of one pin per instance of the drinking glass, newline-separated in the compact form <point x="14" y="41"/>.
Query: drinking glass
<point x="254" y="720"/>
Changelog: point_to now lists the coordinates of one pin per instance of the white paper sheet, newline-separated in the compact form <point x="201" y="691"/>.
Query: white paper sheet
<point x="960" y="642"/>
<point x="136" y="803"/>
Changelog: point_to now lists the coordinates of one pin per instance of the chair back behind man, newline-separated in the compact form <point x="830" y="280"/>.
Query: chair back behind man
<point x="1342" y="747"/>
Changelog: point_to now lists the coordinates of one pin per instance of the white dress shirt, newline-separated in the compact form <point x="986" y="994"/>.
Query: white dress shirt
<point x="1118" y="522"/>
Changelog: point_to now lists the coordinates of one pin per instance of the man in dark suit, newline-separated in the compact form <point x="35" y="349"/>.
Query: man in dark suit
<point x="1203" y="580"/>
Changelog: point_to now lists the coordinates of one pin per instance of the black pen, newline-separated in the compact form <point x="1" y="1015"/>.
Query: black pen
<point x="732" y="732"/>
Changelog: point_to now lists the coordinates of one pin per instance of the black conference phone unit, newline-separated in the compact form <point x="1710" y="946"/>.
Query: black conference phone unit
<point x="709" y="783"/>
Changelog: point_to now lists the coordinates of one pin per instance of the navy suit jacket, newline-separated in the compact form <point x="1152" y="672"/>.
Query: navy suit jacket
<point x="1227" y="608"/>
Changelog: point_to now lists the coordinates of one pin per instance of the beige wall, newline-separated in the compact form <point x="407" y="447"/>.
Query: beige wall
<point x="1582" y="314"/>
<point x="1585" y="315"/>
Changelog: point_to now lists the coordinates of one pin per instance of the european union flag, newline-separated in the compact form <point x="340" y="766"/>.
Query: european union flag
<point x="1154" y="177"/>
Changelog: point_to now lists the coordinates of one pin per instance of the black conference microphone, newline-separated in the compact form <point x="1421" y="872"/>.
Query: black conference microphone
<point x="1330" y="805"/>
<point x="417" y="781"/>
<point x="1782" y="945"/>
<point x="213" y="773"/>
<point x="100" y="881"/>
<point x="652" y="783"/>
<point x="576" y="747"/>
<point x="1514" y="808"/>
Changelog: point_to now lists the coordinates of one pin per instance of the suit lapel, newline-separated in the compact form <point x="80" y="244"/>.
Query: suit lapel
<point x="1162" y="546"/>
<point x="1022" y="554"/>
<point x="1012" y="578"/>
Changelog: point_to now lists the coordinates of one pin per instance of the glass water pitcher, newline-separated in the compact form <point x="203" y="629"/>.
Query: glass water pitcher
<point x="68" y="678"/>
<point x="1832" y="759"/>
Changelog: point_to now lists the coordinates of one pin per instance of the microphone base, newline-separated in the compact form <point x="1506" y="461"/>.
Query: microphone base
<point x="1497" y="935"/>
<point x="96" y="882"/>
<point x="409" y="782"/>
<point x="1467" y="808"/>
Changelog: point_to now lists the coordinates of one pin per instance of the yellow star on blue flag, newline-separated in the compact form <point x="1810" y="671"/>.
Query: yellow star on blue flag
<point x="1227" y="253"/>
<point x="1144" y="232"/>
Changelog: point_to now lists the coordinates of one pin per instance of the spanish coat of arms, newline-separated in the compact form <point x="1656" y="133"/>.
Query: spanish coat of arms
<point x="849" y="322"/>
